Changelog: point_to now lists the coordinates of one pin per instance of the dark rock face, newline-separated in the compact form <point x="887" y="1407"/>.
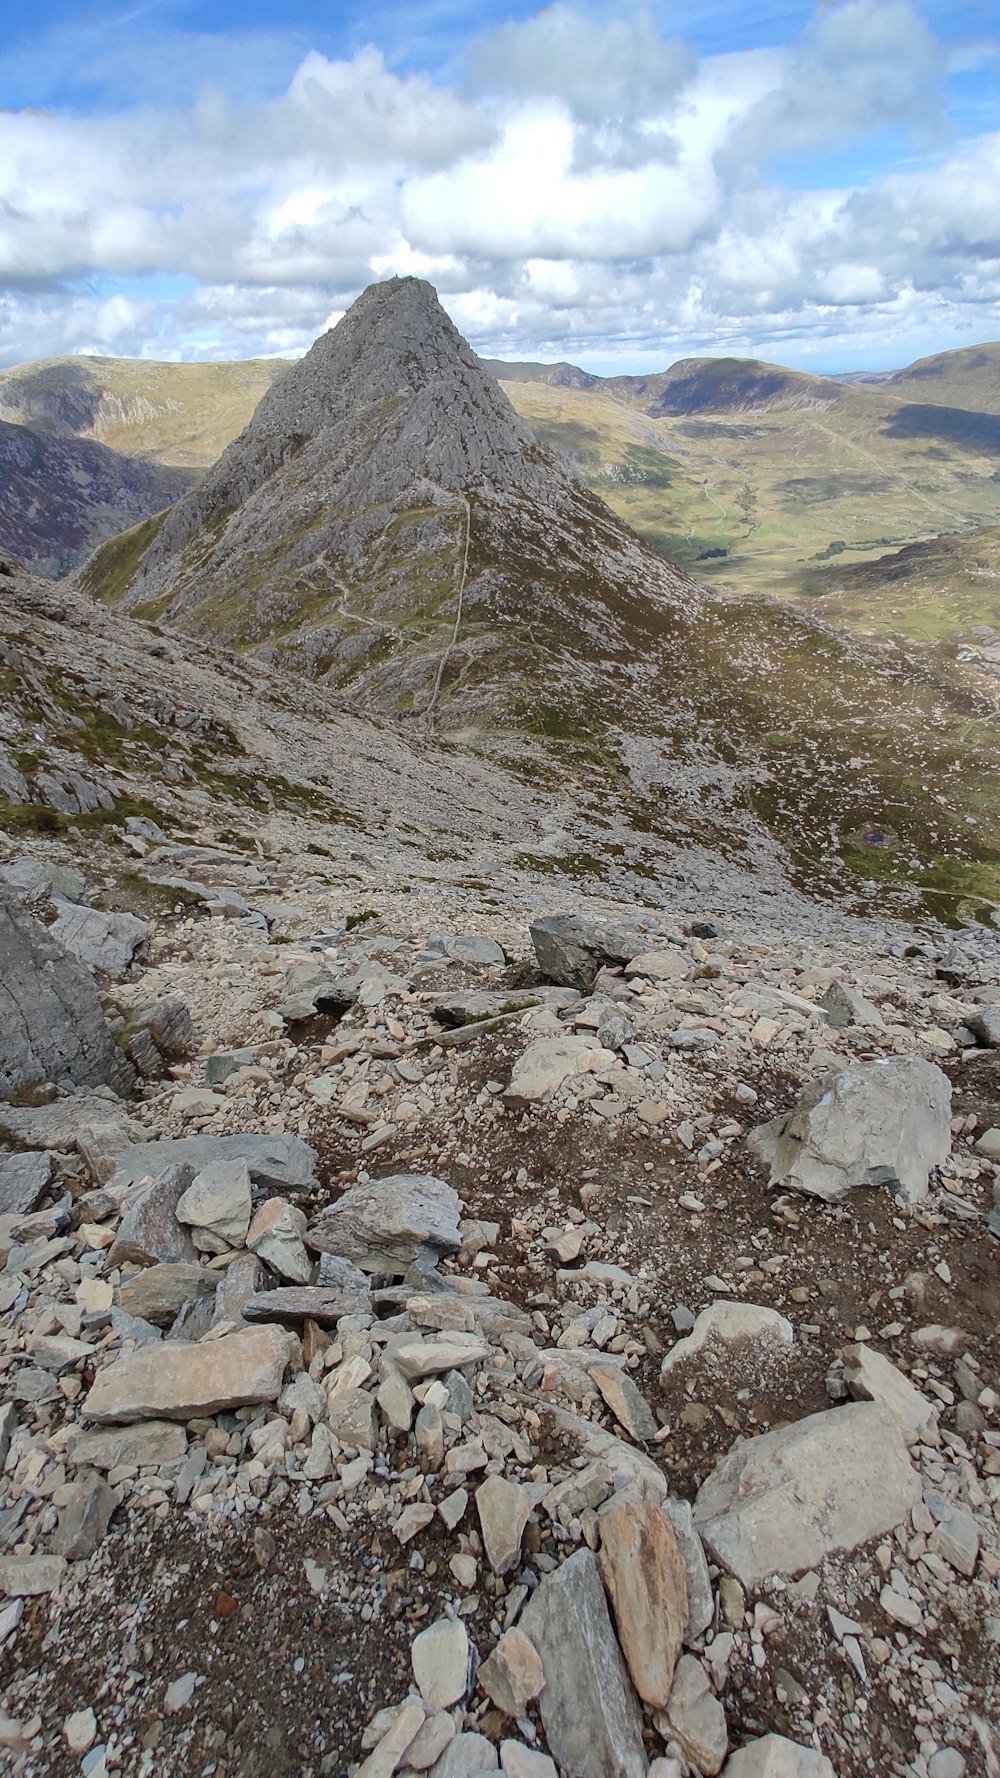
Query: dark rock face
<point x="51" y="1024"/>
<point x="59" y="497"/>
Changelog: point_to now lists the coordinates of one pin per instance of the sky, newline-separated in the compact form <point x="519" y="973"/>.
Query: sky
<point x="814" y="184"/>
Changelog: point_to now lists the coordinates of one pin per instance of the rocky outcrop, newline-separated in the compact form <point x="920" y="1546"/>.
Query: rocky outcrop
<point x="51" y="1024"/>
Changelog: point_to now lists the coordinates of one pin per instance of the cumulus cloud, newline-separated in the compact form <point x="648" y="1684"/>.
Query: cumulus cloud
<point x="586" y="186"/>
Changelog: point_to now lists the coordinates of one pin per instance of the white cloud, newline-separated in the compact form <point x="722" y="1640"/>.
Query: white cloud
<point x="588" y="188"/>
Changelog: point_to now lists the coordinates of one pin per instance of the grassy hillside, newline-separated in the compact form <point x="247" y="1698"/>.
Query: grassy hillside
<point x="969" y="378"/>
<point x="179" y="414"/>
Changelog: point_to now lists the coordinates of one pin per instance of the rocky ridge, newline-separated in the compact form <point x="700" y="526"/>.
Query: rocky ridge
<point x="430" y="1303"/>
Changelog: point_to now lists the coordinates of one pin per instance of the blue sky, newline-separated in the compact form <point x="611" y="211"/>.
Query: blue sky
<point x="620" y="186"/>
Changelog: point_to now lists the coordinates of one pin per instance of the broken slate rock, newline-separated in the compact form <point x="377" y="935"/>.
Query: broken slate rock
<point x="291" y="1305"/>
<point x="872" y="1123"/>
<point x="547" y="1063"/>
<point x="84" y="1520"/>
<point x="217" y="1205"/>
<point x="149" y="1232"/>
<point x="871" y="1377"/>
<point x="442" y="1663"/>
<point x="388" y="1225"/>
<point x="504" y="1510"/>
<point x="781" y="1503"/>
<point x="643" y="1571"/>
<point x="845" y="1007"/>
<point x="697" y="1718"/>
<point x="181" y="1382"/>
<point x="159" y="1293"/>
<point x="589" y="1709"/>
<point x="572" y="949"/>
<point x="23" y="1179"/>
<point x="275" y="1235"/>
<point x="513" y="1674"/>
<point x="149" y="1445"/>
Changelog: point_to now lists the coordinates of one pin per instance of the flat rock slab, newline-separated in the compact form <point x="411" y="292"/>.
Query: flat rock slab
<point x="180" y="1382"/>
<point x="105" y="942"/>
<point x="589" y="1709"/>
<point x="871" y="1377"/>
<point x="281" y="1162"/>
<point x="159" y="1293"/>
<point x="387" y="1225"/>
<point x="293" y="1305"/>
<point x="150" y="1445"/>
<point x="781" y="1503"/>
<point x="442" y="1662"/>
<point x="873" y="1123"/>
<point x="27" y="1577"/>
<point x="504" y="1509"/>
<point x="643" y="1571"/>
<point x="67" y="1123"/>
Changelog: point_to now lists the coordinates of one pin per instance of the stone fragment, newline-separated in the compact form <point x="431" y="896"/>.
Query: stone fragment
<point x="467" y="1756"/>
<point x="386" y="1757"/>
<point x="447" y="1352"/>
<point x="984" y="1023"/>
<point x="781" y="1503"/>
<point x="351" y="1414"/>
<point x="547" y="1063"/>
<point x="518" y="1761"/>
<point x="441" y="1657"/>
<point x="179" y="1382"/>
<point x="430" y="1741"/>
<point x="697" y="1718"/>
<point x="589" y="1709"/>
<point x="159" y="1293"/>
<point x="108" y="943"/>
<point x="388" y="1225"/>
<point x="80" y="1730"/>
<point x="23" y="1180"/>
<point x="775" y="1757"/>
<point x="504" y="1509"/>
<point x="293" y="1304"/>
<point x="179" y="1693"/>
<point x="629" y="1406"/>
<point x="643" y="1571"/>
<point x="956" y="1538"/>
<point x="659" y="966"/>
<point x="871" y="1377"/>
<point x="149" y="1232"/>
<point x="217" y="1205"/>
<point x="724" y="1324"/>
<point x="275" y="1235"/>
<point x="8" y="1426"/>
<point x="872" y="1123"/>
<point x="844" y="1007"/>
<point x="701" y="1605"/>
<point x="244" y="1277"/>
<point x="512" y="1675"/>
<point x="51" y="1022"/>
<point x="84" y="1520"/>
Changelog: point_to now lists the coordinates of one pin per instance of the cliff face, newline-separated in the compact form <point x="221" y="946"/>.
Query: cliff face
<point x="61" y="497"/>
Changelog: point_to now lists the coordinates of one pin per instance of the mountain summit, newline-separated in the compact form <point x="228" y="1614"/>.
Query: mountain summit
<point x="386" y="517"/>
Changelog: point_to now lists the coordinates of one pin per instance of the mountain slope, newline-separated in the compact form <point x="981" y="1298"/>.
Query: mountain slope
<point x="387" y="524"/>
<point x="386" y="516"/>
<point x="59" y="497"/>
<point x="967" y="378"/>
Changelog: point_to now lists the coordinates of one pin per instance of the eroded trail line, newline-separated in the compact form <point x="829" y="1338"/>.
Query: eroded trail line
<point x="447" y="653"/>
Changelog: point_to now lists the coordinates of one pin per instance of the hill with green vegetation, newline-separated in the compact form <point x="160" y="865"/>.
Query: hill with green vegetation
<point x="388" y="526"/>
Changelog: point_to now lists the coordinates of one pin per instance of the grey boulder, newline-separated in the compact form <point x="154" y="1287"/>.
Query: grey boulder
<point x="108" y="943"/>
<point x="872" y="1123"/>
<point x="281" y="1162"/>
<point x="571" y="950"/>
<point x="23" y="1179"/>
<point x="388" y="1225"/>
<point x="51" y="1023"/>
